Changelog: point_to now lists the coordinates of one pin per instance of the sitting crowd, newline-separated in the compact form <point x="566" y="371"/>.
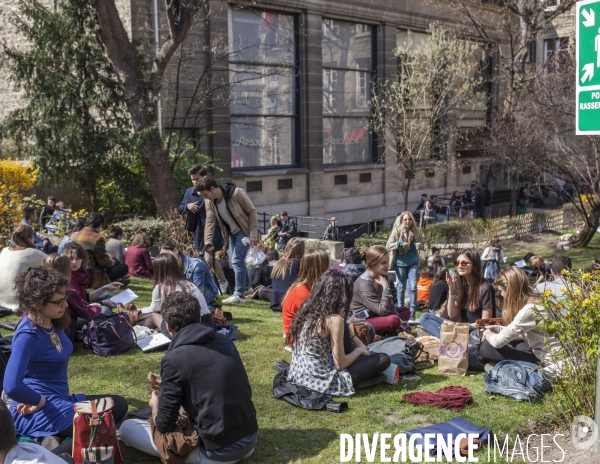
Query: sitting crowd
<point x="203" y="380"/>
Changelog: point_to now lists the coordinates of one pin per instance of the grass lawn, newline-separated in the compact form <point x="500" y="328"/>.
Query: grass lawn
<point x="294" y="435"/>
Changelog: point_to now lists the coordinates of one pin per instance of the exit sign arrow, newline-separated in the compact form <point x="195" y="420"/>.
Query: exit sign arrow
<point x="589" y="72"/>
<point x="590" y="17"/>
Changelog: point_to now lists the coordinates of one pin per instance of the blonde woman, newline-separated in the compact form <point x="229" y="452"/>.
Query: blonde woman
<point x="312" y="266"/>
<point x="403" y="246"/>
<point x="372" y="293"/>
<point x="286" y="271"/>
<point x="522" y="339"/>
<point x="272" y="234"/>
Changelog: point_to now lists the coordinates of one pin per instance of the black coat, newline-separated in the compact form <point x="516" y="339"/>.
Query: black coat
<point x="281" y="286"/>
<point x="203" y="372"/>
<point x="262" y="276"/>
<point x="199" y="219"/>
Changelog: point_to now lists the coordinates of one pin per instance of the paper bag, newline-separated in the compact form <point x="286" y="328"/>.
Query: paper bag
<point x="431" y="346"/>
<point x="454" y="341"/>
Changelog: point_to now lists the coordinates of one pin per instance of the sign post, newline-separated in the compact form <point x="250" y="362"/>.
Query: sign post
<point x="588" y="68"/>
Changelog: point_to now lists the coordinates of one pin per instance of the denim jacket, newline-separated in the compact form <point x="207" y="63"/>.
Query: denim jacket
<point x="197" y="271"/>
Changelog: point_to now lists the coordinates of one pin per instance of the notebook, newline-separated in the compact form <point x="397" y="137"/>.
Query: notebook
<point x="125" y="297"/>
<point x="153" y="342"/>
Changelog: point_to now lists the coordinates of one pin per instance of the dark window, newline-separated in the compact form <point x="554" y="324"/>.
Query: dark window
<point x="340" y="180"/>
<point x="348" y="71"/>
<point x="466" y="169"/>
<point x="284" y="184"/>
<point x="429" y="173"/>
<point x="262" y="78"/>
<point x="254" y="186"/>
<point x="364" y="177"/>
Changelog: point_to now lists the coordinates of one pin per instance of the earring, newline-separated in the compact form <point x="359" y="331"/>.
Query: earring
<point x="39" y="319"/>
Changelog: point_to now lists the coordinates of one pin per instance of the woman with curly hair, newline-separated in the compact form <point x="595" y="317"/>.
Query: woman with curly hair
<point x="285" y="271"/>
<point x="36" y="375"/>
<point x="403" y="245"/>
<point x="138" y="257"/>
<point x="16" y="259"/>
<point x="317" y="334"/>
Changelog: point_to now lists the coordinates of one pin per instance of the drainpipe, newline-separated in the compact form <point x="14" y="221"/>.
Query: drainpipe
<point x="157" y="44"/>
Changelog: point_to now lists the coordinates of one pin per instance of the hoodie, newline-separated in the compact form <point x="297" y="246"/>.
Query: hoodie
<point x="354" y="270"/>
<point x="203" y="372"/>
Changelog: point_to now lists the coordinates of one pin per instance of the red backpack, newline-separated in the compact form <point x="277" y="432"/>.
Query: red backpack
<point x="94" y="433"/>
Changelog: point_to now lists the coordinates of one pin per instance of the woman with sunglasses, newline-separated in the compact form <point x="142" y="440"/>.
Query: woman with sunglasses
<point x="36" y="374"/>
<point x="403" y="246"/>
<point x="470" y="296"/>
<point x="521" y="339"/>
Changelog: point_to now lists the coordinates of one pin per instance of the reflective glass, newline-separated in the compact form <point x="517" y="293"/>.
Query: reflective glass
<point x="346" y="140"/>
<point x="261" y="141"/>
<point x="347" y="45"/>
<point x="261" y="90"/>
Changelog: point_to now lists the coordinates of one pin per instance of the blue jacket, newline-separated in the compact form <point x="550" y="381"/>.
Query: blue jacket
<point x="197" y="271"/>
<point x="191" y="196"/>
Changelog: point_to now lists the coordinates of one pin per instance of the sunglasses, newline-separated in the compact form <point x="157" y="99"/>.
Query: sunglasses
<point x="462" y="264"/>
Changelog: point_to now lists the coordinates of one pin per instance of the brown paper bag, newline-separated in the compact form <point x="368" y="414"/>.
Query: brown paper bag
<point x="454" y="341"/>
<point x="431" y="345"/>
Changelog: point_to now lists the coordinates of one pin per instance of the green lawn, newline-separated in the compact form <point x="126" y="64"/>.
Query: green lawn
<point x="288" y="434"/>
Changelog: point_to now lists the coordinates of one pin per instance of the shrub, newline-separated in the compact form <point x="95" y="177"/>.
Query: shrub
<point x="154" y="226"/>
<point x="574" y="322"/>
<point x="15" y="178"/>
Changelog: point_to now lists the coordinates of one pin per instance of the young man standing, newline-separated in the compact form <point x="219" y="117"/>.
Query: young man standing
<point x="236" y="214"/>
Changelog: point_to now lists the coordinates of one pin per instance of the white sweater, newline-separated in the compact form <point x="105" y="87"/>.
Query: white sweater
<point x="525" y="327"/>
<point x="192" y="290"/>
<point x="13" y="263"/>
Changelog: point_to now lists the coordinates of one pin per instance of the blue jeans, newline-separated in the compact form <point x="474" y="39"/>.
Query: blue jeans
<point x="238" y="262"/>
<point x="433" y="324"/>
<point x="410" y="274"/>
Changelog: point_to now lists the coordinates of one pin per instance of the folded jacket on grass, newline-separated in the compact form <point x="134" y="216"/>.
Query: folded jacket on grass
<point x="454" y="398"/>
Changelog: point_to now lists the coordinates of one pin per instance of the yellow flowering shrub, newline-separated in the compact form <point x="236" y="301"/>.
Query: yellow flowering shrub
<point x="15" y="178"/>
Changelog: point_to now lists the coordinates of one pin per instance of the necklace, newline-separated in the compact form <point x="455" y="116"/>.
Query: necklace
<point x="54" y="339"/>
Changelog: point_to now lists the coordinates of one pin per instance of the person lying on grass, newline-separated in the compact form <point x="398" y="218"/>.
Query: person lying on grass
<point x="325" y="356"/>
<point x="203" y="373"/>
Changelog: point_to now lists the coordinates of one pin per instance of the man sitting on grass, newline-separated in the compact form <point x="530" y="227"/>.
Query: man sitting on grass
<point x="203" y="373"/>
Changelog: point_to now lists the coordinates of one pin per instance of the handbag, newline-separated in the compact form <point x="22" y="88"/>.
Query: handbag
<point x="94" y="433"/>
<point x="131" y="311"/>
<point x="362" y="331"/>
<point x="111" y="337"/>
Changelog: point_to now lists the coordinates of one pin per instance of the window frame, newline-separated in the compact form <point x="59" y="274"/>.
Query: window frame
<point x="295" y="71"/>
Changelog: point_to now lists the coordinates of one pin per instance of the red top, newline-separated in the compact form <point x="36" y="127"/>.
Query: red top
<point x="292" y="302"/>
<point x="139" y="262"/>
<point x="423" y="289"/>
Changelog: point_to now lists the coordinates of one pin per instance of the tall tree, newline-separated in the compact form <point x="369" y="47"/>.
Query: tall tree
<point x="73" y="124"/>
<point x="412" y="115"/>
<point x="141" y="91"/>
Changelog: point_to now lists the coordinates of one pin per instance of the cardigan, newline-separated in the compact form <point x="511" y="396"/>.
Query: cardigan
<point x="139" y="262"/>
<point x="370" y="296"/>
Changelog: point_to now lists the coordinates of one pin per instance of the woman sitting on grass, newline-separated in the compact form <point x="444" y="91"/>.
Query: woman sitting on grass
<point x="522" y="339"/>
<point x="79" y="309"/>
<point x="438" y="291"/>
<point x="168" y="279"/>
<point x="114" y="245"/>
<point x="372" y="293"/>
<point x="312" y="266"/>
<point x="74" y="226"/>
<point x="321" y="360"/>
<point x="285" y="272"/>
<point x="138" y="257"/>
<point x="16" y="259"/>
<point x="36" y="376"/>
<point x="470" y="296"/>
<point x="80" y="278"/>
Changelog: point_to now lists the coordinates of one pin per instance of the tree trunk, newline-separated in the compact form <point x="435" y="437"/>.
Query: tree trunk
<point x="123" y="57"/>
<point x="583" y="238"/>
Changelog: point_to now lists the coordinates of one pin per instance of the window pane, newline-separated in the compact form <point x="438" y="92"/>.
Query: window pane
<point x="347" y="45"/>
<point x="261" y="37"/>
<point x="346" y="92"/>
<point x="346" y="140"/>
<point x="261" y="90"/>
<point x="261" y="141"/>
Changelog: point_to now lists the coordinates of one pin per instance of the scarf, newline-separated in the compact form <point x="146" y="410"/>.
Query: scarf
<point x="80" y="279"/>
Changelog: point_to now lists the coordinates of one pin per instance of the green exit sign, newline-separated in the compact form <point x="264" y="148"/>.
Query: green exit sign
<point x="588" y="67"/>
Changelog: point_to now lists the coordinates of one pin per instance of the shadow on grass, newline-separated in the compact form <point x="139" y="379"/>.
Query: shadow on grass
<point x="290" y="445"/>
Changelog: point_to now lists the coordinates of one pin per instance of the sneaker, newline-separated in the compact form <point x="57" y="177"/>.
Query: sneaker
<point x="223" y="286"/>
<point x="412" y="318"/>
<point x="235" y="299"/>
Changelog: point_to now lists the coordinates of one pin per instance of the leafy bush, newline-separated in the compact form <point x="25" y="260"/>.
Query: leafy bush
<point x="574" y="322"/>
<point x="15" y="178"/>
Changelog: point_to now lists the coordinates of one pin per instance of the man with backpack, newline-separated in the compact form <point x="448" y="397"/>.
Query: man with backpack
<point x="203" y="373"/>
<point x="236" y="215"/>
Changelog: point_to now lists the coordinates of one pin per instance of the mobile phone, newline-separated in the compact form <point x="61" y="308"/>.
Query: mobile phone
<point x="362" y="314"/>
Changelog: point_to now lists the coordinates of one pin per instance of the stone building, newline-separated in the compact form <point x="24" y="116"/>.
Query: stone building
<point x="291" y="126"/>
